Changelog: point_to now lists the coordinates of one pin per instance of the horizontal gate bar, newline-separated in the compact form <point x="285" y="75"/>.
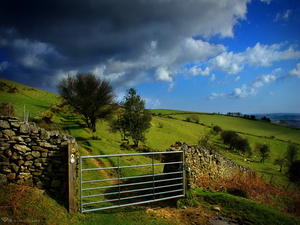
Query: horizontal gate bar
<point x="132" y="197"/>
<point x="143" y="165"/>
<point x="129" y="204"/>
<point x="113" y="193"/>
<point x="124" y="178"/>
<point x="129" y="154"/>
<point x="124" y="185"/>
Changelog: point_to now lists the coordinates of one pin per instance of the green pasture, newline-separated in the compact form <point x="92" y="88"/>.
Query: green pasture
<point x="258" y="128"/>
<point x="34" y="99"/>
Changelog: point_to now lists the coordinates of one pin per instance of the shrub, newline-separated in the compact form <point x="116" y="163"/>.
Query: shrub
<point x="294" y="172"/>
<point x="188" y="119"/>
<point x="217" y="129"/>
<point x="47" y="116"/>
<point x="195" y="118"/>
<point x="227" y="137"/>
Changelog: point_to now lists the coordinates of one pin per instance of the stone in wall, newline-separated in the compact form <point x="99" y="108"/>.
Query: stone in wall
<point x="199" y="162"/>
<point x="33" y="156"/>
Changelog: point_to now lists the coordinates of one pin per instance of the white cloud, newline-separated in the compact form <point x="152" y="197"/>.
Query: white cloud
<point x="271" y="93"/>
<point x="262" y="80"/>
<point x="171" y="85"/>
<point x="237" y="79"/>
<point x="161" y="74"/>
<point x="259" y="55"/>
<point x="243" y="92"/>
<point x="213" y="77"/>
<point x="194" y="71"/>
<point x="295" y="72"/>
<point x="285" y="16"/>
<point x="238" y="93"/>
<point x="215" y="96"/>
<point x="151" y="103"/>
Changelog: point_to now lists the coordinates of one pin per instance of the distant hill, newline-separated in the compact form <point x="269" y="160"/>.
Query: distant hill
<point x="291" y="119"/>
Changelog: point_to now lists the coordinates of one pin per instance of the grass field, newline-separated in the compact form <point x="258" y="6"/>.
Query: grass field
<point x="168" y="128"/>
<point x="34" y="99"/>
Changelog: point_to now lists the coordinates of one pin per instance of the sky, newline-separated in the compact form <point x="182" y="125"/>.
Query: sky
<point x="194" y="55"/>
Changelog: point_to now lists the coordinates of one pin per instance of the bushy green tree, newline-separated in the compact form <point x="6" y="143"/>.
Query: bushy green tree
<point x="118" y="125"/>
<point x="280" y="161"/>
<point x="241" y="144"/>
<point x="136" y="118"/>
<point x="195" y="118"/>
<point x="294" y="171"/>
<point x="92" y="97"/>
<point x="264" y="151"/>
<point x="217" y="129"/>
<point x="291" y="154"/>
<point x="227" y="136"/>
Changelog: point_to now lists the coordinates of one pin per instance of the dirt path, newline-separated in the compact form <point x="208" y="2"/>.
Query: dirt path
<point x="100" y="164"/>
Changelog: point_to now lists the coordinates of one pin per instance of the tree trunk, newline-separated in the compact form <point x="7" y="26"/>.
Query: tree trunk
<point x="93" y="122"/>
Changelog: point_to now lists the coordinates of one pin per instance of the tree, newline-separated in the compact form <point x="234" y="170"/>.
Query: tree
<point x="227" y="137"/>
<point x="241" y="144"/>
<point x="291" y="154"/>
<point x="195" y="118"/>
<point x="136" y="118"/>
<point x="217" y="129"/>
<point x="92" y="97"/>
<point x="118" y="125"/>
<point x="294" y="172"/>
<point x="264" y="151"/>
<point x="280" y="161"/>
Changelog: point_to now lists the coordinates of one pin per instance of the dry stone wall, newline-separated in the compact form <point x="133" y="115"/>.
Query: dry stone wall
<point x="200" y="161"/>
<point x="32" y="156"/>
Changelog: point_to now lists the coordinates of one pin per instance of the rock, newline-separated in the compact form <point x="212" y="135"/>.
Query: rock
<point x="25" y="176"/>
<point x="36" y="154"/>
<point x="29" y="157"/>
<point x="15" y="156"/>
<point x="11" y="176"/>
<point x="20" y="162"/>
<point x="44" y="135"/>
<point x="37" y="173"/>
<point x="38" y="148"/>
<point x="3" y="178"/>
<point x="25" y="129"/>
<point x="8" y="152"/>
<point x="15" y="167"/>
<point x="54" y="133"/>
<point x="4" y="124"/>
<point x="21" y="148"/>
<point x="28" y="163"/>
<point x="9" y="133"/>
<point x="17" y="138"/>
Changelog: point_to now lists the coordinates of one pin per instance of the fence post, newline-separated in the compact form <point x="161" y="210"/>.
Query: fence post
<point x="72" y="177"/>
<point x="23" y="113"/>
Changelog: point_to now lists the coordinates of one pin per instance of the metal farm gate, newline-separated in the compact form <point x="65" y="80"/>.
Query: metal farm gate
<point x="129" y="182"/>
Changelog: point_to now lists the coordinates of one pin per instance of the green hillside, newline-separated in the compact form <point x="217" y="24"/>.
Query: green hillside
<point x="18" y="94"/>
<point x="168" y="127"/>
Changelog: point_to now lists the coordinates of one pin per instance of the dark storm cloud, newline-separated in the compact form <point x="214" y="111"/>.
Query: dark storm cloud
<point x="55" y="37"/>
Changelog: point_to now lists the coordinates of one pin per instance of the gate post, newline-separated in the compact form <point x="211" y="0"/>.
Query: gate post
<point x="72" y="177"/>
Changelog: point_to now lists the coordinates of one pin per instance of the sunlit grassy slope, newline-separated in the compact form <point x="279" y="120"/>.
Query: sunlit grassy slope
<point x="33" y="99"/>
<point x="166" y="131"/>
